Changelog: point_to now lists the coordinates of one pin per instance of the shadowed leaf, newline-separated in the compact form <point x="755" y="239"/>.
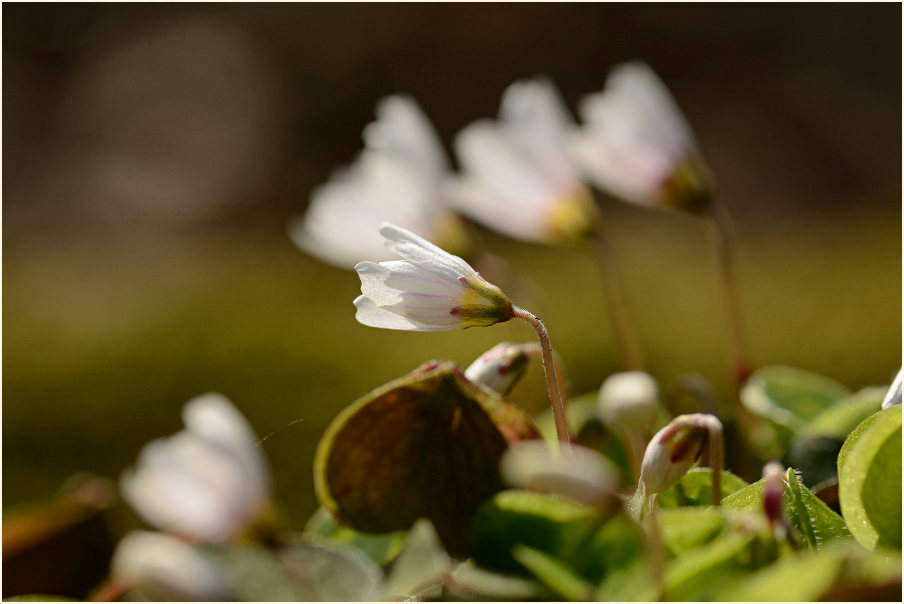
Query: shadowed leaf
<point x="426" y="445"/>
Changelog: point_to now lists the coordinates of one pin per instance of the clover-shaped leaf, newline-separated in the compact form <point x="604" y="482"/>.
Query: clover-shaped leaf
<point x="424" y="446"/>
<point x="869" y="480"/>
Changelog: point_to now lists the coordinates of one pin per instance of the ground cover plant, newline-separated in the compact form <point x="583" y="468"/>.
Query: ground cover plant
<point x="434" y="486"/>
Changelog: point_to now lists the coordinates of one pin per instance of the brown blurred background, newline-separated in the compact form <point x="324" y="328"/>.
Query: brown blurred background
<point x="154" y="153"/>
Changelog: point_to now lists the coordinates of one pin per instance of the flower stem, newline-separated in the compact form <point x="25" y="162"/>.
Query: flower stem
<point x="625" y="334"/>
<point x="722" y="229"/>
<point x="552" y="380"/>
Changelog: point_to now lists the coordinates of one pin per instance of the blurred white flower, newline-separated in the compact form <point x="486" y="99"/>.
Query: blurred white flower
<point x="636" y="144"/>
<point x="502" y="366"/>
<point x="207" y="482"/>
<point x="630" y="400"/>
<point x="430" y="290"/>
<point x="516" y="175"/>
<point x="586" y="476"/>
<point x="675" y="448"/>
<point x="164" y="568"/>
<point x="893" y="397"/>
<point x="396" y="178"/>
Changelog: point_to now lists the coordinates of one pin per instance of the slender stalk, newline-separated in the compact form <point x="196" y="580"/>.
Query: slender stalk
<point x="722" y="229"/>
<point x="716" y="460"/>
<point x="552" y="380"/>
<point x="625" y="334"/>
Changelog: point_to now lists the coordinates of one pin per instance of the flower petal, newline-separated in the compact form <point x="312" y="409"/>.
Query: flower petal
<point x="370" y="314"/>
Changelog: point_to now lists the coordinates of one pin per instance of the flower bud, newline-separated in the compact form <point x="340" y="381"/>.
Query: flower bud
<point x="674" y="449"/>
<point x="629" y="400"/>
<point x="588" y="477"/>
<point x="162" y="567"/>
<point x="502" y="366"/>
<point x="772" y="492"/>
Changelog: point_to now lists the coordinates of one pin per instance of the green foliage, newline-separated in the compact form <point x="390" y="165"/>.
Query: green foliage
<point x="869" y="480"/>
<point x="787" y="398"/>
<point x="380" y="547"/>
<point x="695" y="488"/>
<point x="814" y="521"/>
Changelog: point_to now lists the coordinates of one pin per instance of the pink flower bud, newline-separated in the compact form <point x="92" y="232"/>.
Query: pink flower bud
<point x="501" y="367"/>
<point x="675" y="449"/>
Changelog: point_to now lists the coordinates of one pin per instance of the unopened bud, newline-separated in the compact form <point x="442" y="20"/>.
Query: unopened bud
<point x="630" y="400"/>
<point x="165" y="568"/>
<point x="894" y="393"/>
<point x="675" y="448"/>
<point x="502" y="366"/>
<point x="773" y="490"/>
<point x="587" y="476"/>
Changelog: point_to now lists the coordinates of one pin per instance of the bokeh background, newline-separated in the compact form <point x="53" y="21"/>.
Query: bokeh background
<point x="153" y="155"/>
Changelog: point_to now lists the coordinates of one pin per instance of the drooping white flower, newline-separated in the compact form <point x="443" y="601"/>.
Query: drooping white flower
<point x="585" y="475"/>
<point x="636" y="144"/>
<point x="893" y="397"/>
<point x="674" y="449"/>
<point x="516" y="175"/>
<point x="502" y="366"/>
<point x="396" y="178"/>
<point x="207" y="482"/>
<point x="430" y="290"/>
<point x="630" y="400"/>
<point x="163" y="567"/>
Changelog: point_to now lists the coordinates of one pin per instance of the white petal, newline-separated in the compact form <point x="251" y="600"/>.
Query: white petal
<point x="893" y="397"/>
<point x="494" y="211"/>
<point x="167" y="568"/>
<point x="372" y="315"/>
<point x="424" y="254"/>
<point x="402" y="130"/>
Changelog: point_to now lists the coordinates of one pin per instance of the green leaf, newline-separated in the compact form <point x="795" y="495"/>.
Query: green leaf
<point x="696" y="573"/>
<point x="689" y="527"/>
<point x="424" y="446"/>
<point x="422" y="563"/>
<point x="381" y="548"/>
<point x="471" y="583"/>
<point x="554" y="573"/>
<point x="695" y="488"/>
<point x="796" y="578"/>
<point x="840" y="419"/>
<point x="869" y="480"/>
<point x="331" y="573"/>
<point x="550" y="523"/>
<point x="813" y="519"/>
<point x="788" y="398"/>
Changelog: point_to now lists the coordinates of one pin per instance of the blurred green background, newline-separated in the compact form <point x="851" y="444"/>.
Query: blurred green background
<point x="153" y="155"/>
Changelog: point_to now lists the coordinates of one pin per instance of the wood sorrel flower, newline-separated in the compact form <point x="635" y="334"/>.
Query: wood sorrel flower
<point x="677" y="447"/>
<point x="637" y="146"/>
<point x="430" y="290"/>
<point x="166" y="568"/>
<point x="207" y="482"/>
<point x="629" y="399"/>
<point x="502" y="366"/>
<point x="396" y="178"/>
<point x="516" y="175"/>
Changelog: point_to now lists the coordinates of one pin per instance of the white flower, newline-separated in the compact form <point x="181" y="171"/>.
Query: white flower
<point x="629" y="399"/>
<point x="430" y="290"/>
<point x="207" y="482"/>
<point x="502" y="366"/>
<point x="674" y="449"/>
<point x="893" y="397"/>
<point x="585" y="476"/>
<point x="165" y="568"/>
<point x="516" y="175"/>
<point x="396" y="178"/>
<point x="636" y="144"/>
